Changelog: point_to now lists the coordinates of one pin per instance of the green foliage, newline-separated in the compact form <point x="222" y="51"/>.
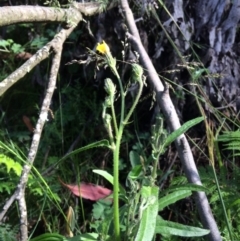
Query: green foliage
<point x="10" y="164"/>
<point x="172" y="198"/>
<point x="86" y="237"/>
<point x="148" y="211"/>
<point x="167" y="228"/>
<point x="8" y="233"/>
<point x="230" y="192"/>
<point x="10" y="47"/>
<point x="231" y="141"/>
<point x="38" y="42"/>
<point x="49" y="236"/>
<point x="140" y="200"/>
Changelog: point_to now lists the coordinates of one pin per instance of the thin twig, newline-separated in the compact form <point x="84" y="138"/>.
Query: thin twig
<point x="36" y="139"/>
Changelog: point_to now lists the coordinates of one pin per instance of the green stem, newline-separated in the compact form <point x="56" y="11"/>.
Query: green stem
<point x="154" y="171"/>
<point x="134" y="103"/>
<point x="220" y="194"/>
<point x="155" y="165"/>
<point x="122" y="96"/>
<point x="116" y="183"/>
<point x="116" y="152"/>
<point x="114" y="119"/>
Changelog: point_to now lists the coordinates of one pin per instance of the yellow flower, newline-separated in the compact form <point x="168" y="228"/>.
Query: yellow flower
<point x="103" y="48"/>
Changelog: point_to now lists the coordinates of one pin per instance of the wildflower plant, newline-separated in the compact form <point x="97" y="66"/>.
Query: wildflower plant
<point x="143" y="201"/>
<point x="110" y="118"/>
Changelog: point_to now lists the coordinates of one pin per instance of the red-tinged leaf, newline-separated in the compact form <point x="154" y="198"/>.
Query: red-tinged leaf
<point x="88" y="190"/>
<point x="28" y="123"/>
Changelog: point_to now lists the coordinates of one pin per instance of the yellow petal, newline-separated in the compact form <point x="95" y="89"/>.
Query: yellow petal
<point x="103" y="48"/>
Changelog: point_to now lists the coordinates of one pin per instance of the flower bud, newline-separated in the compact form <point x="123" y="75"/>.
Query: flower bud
<point x="109" y="87"/>
<point x="108" y="102"/>
<point x="137" y="71"/>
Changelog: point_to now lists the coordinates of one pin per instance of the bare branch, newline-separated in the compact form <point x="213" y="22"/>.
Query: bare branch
<point x="36" y="139"/>
<point x="42" y="54"/>
<point x="24" y="14"/>
<point x="184" y="150"/>
<point x="29" y="14"/>
<point x="7" y="206"/>
<point x="19" y="73"/>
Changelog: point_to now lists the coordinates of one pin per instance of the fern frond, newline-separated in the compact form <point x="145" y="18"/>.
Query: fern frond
<point x="11" y="164"/>
<point x="8" y="233"/>
<point x="229" y="136"/>
<point x="6" y="186"/>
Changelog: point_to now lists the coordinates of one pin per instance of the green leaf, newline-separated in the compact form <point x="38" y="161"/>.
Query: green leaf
<point x="101" y="208"/>
<point x="172" y="198"/>
<point x="39" y="42"/>
<point x="4" y="43"/>
<point x="231" y="141"/>
<point x="6" y="186"/>
<point x="171" y="228"/>
<point x="198" y="73"/>
<point x="102" y="143"/>
<point x="149" y="206"/>
<point x="134" y="158"/>
<point x="49" y="236"/>
<point x="189" y="187"/>
<point x="135" y="172"/>
<point x="84" y="237"/>
<point x="174" y="135"/>
<point x="229" y="136"/>
<point x="17" y="48"/>
<point x="11" y="164"/>
<point x="98" y="210"/>
<point x="109" y="177"/>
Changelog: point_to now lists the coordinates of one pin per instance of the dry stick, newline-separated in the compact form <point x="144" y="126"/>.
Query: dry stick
<point x="36" y="139"/>
<point x="26" y="14"/>
<point x="172" y="119"/>
<point x="58" y="43"/>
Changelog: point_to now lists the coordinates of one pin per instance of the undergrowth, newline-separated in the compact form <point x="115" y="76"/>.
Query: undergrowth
<point x="75" y="121"/>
